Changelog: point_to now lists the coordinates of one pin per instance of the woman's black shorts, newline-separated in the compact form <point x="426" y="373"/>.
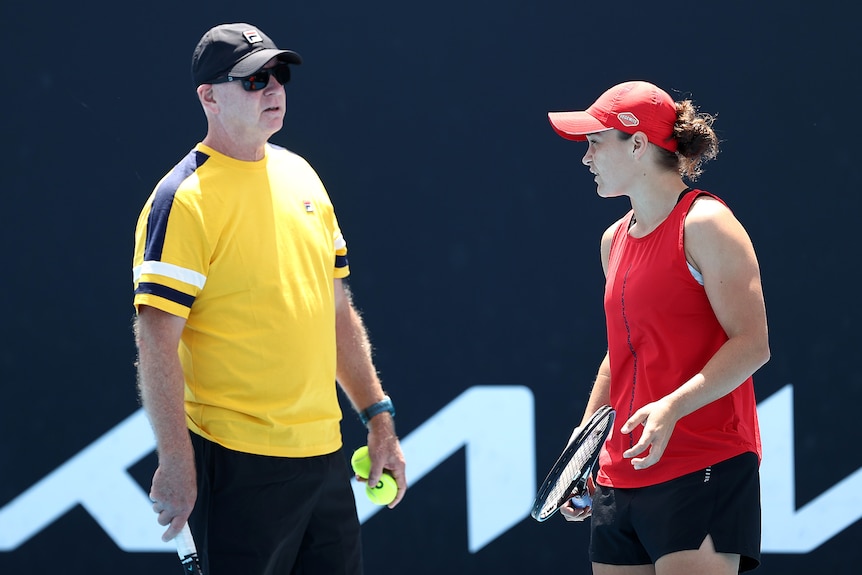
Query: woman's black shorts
<point x="638" y="526"/>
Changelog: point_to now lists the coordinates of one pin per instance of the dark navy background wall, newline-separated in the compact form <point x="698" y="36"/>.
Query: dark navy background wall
<point x="473" y="229"/>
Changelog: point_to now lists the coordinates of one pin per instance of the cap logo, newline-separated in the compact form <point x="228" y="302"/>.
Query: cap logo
<point x="628" y="119"/>
<point x="252" y="36"/>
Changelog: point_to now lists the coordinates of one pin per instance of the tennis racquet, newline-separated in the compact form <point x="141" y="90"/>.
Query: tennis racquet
<point x="568" y="477"/>
<point x="188" y="552"/>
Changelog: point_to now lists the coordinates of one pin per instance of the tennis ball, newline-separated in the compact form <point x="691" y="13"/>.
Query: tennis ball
<point x="384" y="492"/>
<point x="361" y="462"/>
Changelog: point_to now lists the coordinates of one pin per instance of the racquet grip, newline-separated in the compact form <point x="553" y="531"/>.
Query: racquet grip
<point x="185" y="543"/>
<point x="581" y="501"/>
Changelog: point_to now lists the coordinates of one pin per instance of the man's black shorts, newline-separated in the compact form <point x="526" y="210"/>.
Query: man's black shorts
<point x="638" y="526"/>
<point x="259" y="515"/>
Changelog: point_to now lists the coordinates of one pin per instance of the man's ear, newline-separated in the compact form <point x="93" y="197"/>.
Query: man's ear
<point x="206" y="95"/>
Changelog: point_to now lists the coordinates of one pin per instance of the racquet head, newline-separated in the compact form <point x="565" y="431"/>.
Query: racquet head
<point x="569" y="474"/>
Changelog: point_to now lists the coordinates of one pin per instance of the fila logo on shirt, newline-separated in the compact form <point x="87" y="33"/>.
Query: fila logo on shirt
<point x="309" y="207"/>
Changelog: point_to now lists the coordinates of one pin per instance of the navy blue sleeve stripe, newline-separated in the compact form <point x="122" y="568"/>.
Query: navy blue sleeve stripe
<point x="340" y="261"/>
<point x="157" y="222"/>
<point x="165" y="292"/>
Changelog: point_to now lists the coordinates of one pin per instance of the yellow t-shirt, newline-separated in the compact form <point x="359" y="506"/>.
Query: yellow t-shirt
<point x="247" y="252"/>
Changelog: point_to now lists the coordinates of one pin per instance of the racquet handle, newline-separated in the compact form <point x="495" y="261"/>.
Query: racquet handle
<point x="581" y="501"/>
<point x="187" y="551"/>
<point x="185" y="543"/>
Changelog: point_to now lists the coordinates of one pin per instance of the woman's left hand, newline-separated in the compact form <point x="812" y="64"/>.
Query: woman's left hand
<point x="658" y="422"/>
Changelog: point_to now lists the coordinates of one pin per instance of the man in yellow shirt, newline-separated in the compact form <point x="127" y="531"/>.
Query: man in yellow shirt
<point x="243" y="327"/>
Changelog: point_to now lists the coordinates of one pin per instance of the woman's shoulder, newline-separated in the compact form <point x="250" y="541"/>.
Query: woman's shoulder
<point x="612" y="229"/>
<point x="608" y="237"/>
<point x="712" y="231"/>
<point x="610" y="232"/>
<point x="707" y="211"/>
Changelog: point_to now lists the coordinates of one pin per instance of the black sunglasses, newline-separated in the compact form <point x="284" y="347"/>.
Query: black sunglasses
<point x="260" y="79"/>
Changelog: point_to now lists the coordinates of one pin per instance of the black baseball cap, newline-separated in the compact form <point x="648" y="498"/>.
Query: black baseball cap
<point x="235" y="50"/>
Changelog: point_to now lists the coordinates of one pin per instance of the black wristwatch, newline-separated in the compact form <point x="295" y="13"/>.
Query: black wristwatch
<point x="377" y="408"/>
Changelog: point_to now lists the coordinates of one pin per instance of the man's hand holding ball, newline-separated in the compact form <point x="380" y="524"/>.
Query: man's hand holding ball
<point x="384" y="492"/>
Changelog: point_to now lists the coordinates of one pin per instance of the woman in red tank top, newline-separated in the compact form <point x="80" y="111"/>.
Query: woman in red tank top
<point x="686" y="326"/>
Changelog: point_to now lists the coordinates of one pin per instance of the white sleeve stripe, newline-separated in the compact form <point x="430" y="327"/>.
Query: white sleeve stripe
<point x="184" y="275"/>
<point x="339" y="242"/>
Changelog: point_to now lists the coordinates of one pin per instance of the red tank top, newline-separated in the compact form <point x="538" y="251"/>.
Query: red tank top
<point x="661" y="332"/>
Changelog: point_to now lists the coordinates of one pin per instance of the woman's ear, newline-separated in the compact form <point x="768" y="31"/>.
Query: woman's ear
<point x="639" y="143"/>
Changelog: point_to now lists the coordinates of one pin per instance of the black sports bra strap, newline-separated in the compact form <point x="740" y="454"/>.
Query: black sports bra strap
<point x="682" y="194"/>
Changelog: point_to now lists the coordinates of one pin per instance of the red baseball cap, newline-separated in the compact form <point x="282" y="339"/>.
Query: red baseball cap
<point x="629" y="107"/>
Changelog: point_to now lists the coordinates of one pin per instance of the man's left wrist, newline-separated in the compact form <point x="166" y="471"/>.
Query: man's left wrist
<point x="382" y="406"/>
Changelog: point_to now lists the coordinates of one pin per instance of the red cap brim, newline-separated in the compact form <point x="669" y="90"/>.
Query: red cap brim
<point x="575" y="125"/>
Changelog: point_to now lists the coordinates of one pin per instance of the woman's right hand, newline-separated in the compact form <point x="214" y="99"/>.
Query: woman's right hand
<point x="579" y="508"/>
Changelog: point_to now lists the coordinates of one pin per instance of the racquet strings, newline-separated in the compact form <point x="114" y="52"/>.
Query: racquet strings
<point x="574" y="469"/>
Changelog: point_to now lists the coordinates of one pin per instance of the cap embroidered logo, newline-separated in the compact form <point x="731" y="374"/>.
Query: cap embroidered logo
<point x="628" y="119"/>
<point x="252" y="36"/>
